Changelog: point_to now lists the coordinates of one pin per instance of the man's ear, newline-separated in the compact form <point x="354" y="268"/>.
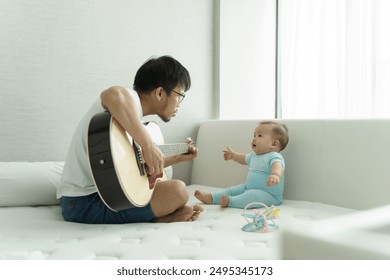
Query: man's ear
<point x="159" y="93"/>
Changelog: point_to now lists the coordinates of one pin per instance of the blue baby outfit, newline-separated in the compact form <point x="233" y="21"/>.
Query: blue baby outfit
<point x="255" y="189"/>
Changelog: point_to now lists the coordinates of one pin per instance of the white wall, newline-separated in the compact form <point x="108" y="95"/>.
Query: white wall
<point x="57" y="56"/>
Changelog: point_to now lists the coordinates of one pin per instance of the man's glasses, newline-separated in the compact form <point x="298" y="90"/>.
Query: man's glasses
<point x="181" y="95"/>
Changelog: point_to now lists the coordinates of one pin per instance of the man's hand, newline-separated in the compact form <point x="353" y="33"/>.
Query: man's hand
<point x="190" y="155"/>
<point x="192" y="151"/>
<point x="154" y="160"/>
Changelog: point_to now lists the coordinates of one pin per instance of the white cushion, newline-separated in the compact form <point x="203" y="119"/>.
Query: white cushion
<point x="29" y="183"/>
<point x="338" y="162"/>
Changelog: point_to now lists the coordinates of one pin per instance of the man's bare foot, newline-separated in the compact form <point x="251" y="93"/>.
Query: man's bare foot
<point x="205" y="197"/>
<point x="185" y="214"/>
<point x="224" y="201"/>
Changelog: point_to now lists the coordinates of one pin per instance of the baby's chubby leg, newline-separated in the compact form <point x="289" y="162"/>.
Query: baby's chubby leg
<point x="215" y="197"/>
<point x="241" y="201"/>
<point x="207" y="198"/>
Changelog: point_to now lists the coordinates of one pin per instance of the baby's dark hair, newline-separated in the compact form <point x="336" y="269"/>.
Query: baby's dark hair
<point x="280" y="132"/>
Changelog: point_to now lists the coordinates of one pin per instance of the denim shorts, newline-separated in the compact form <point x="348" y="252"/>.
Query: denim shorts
<point x="90" y="209"/>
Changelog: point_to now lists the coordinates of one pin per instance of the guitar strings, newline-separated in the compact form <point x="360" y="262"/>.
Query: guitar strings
<point x="173" y="149"/>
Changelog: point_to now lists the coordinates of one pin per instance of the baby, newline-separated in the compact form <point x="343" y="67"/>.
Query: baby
<point x="265" y="180"/>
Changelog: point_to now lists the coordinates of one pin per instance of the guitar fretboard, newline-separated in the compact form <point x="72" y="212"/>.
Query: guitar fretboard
<point x="173" y="149"/>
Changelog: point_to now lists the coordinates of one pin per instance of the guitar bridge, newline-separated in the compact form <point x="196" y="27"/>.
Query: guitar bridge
<point x="139" y="158"/>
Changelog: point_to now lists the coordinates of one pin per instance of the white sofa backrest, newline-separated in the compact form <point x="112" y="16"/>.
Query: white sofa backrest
<point x="339" y="162"/>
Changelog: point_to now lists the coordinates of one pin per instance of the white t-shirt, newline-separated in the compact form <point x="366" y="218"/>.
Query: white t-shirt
<point x="76" y="178"/>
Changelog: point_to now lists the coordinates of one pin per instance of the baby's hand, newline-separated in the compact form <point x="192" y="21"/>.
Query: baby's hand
<point x="228" y="154"/>
<point x="272" y="180"/>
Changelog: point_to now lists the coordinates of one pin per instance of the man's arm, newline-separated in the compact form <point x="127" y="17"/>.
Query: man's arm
<point x="121" y="106"/>
<point x="192" y="153"/>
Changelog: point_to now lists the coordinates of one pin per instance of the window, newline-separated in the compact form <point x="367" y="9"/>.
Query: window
<point x="247" y="59"/>
<point x="333" y="60"/>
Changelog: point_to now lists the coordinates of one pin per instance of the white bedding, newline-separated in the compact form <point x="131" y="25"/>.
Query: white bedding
<point x="28" y="231"/>
<point x="39" y="232"/>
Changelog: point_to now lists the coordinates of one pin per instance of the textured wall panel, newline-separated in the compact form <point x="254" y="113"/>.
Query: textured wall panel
<point x="57" y="56"/>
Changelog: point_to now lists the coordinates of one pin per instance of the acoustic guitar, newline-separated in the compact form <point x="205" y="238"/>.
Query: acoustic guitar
<point x="117" y="165"/>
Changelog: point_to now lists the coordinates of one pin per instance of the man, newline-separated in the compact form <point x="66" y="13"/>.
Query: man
<point x="159" y="87"/>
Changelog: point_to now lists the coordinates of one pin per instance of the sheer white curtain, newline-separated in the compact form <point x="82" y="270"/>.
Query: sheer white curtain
<point x="334" y="58"/>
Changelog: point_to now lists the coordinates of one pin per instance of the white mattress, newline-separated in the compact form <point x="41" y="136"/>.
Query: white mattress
<point x="41" y="233"/>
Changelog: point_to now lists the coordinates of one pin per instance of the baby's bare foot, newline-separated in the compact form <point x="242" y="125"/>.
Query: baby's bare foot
<point x="224" y="201"/>
<point x="205" y="197"/>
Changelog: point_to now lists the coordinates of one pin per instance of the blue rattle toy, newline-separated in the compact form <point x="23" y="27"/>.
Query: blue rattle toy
<point x="261" y="220"/>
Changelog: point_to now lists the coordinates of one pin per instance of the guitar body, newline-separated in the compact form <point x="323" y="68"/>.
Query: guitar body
<point x="117" y="165"/>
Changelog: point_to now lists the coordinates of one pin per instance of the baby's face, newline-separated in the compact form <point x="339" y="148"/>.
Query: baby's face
<point x="262" y="139"/>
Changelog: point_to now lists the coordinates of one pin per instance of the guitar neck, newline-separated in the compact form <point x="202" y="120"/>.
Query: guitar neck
<point x="173" y="149"/>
